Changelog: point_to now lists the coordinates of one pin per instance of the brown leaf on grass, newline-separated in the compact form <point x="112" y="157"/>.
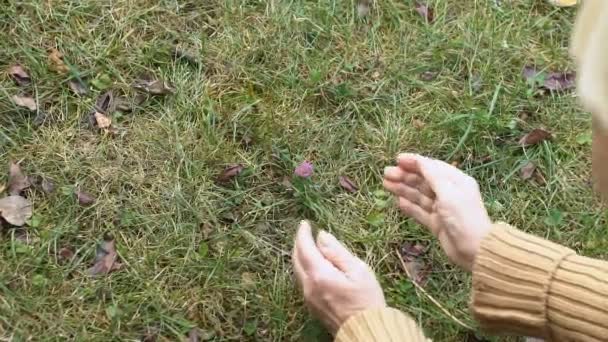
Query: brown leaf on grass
<point x="539" y="178"/>
<point x="363" y="8"/>
<point x="42" y="183"/>
<point x="417" y="271"/>
<point x="183" y="55"/>
<point x="103" y="121"/>
<point x="560" y="81"/>
<point x="230" y="172"/>
<point x="19" y="75"/>
<point x="154" y="87"/>
<point x="65" y="254"/>
<point x="193" y="335"/>
<point x="411" y="251"/>
<point x="56" y="61"/>
<point x="25" y="102"/>
<point x="47" y="185"/>
<point x="527" y="171"/>
<point x="106" y="259"/>
<point x="348" y="184"/>
<point x="418" y="124"/>
<point x="552" y="80"/>
<point x="425" y="11"/>
<point x="16" y="210"/>
<point x="105" y="102"/>
<point x="126" y="104"/>
<point x="17" y="181"/>
<point x="529" y="73"/>
<point x="415" y="268"/>
<point x="78" y="86"/>
<point x="536" y="136"/>
<point x="84" y="198"/>
<point x="428" y="76"/>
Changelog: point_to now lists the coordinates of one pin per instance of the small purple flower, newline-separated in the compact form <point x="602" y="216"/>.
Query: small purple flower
<point x="304" y="170"/>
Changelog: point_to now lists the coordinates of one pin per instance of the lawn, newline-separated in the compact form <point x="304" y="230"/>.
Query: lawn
<point x="196" y="187"/>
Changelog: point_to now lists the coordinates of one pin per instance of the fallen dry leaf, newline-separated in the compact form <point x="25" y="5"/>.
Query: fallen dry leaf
<point x="425" y="11"/>
<point x="19" y="75"/>
<point x="25" y="102"/>
<point x="417" y="271"/>
<point x="348" y="184"/>
<point x="154" y="87"/>
<point x="428" y="76"/>
<point x="106" y="259"/>
<point x="56" y="61"/>
<point x="103" y="121"/>
<point x="125" y="104"/>
<point x="536" y="136"/>
<point x="47" y="185"/>
<point x="84" y="198"/>
<point x="410" y="251"/>
<point x="78" y="86"/>
<point x="248" y="279"/>
<point x="17" y="181"/>
<point x="183" y="55"/>
<point x="363" y="8"/>
<point x="193" y="335"/>
<point x="230" y="172"/>
<point x="105" y="102"/>
<point x="560" y="81"/>
<point x="16" y="210"/>
<point x="539" y="178"/>
<point x="527" y="171"/>
<point x="530" y="73"/>
<point x="65" y="254"/>
<point x="552" y="81"/>
<point x="418" y="124"/>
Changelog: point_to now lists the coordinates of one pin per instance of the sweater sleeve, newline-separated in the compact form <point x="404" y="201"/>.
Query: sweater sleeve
<point x="526" y="285"/>
<point x="380" y="325"/>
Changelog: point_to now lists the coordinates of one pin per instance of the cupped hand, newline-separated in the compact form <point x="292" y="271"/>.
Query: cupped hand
<point x="445" y="200"/>
<point x="336" y="284"/>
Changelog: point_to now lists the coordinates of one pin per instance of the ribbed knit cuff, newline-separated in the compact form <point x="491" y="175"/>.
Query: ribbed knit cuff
<point x="512" y="275"/>
<point x="380" y="325"/>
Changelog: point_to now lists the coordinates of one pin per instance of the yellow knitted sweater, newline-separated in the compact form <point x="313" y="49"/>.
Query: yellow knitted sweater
<point x="523" y="285"/>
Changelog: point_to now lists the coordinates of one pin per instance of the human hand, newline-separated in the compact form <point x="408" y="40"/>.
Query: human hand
<point x="336" y="284"/>
<point x="443" y="199"/>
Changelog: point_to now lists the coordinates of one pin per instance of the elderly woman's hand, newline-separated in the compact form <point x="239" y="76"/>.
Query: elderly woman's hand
<point x="336" y="284"/>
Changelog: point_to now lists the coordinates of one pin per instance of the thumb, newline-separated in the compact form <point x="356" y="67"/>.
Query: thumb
<point x="336" y="253"/>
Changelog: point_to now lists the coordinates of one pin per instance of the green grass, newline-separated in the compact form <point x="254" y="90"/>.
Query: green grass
<point x="303" y="80"/>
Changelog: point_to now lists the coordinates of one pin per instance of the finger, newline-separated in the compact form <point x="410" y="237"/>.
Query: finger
<point x="437" y="175"/>
<point x="417" y="213"/>
<point x="298" y="271"/>
<point x="409" y="162"/>
<point x="394" y="173"/>
<point x="441" y="171"/>
<point x="416" y="181"/>
<point x="410" y="193"/>
<point x="306" y="251"/>
<point x="337" y="254"/>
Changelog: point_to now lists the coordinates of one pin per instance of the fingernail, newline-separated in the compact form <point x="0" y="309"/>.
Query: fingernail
<point x="324" y="238"/>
